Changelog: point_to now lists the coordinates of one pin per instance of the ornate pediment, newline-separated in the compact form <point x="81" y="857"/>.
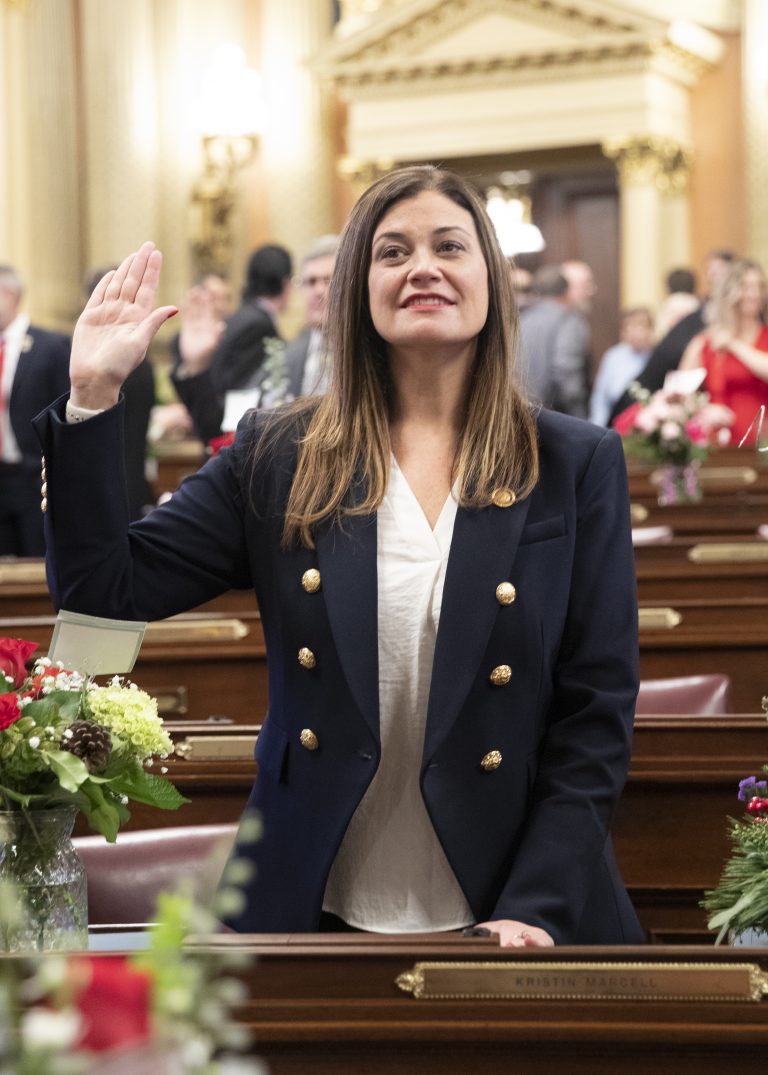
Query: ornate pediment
<point x="440" y="40"/>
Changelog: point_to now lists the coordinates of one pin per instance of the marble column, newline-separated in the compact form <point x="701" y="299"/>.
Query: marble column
<point x="654" y="215"/>
<point x="755" y="97"/>
<point x="40" y="204"/>
<point x="296" y="151"/>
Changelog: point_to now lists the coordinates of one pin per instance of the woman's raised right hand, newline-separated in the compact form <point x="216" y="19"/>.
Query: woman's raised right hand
<point x="115" y="329"/>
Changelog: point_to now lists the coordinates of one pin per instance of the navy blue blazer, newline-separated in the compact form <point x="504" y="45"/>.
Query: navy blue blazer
<point x="42" y="374"/>
<point x="528" y="840"/>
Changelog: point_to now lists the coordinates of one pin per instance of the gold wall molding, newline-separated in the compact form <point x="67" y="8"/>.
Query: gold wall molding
<point x="648" y="160"/>
<point x="362" y="173"/>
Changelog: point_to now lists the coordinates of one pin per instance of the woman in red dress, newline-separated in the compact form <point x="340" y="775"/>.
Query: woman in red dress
<point x="734" y="349"/>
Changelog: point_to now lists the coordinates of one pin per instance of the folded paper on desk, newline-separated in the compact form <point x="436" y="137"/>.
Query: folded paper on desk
<point x="96" y="645"/>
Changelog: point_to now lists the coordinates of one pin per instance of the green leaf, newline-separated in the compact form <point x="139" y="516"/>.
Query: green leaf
<point x="70" y="770"/>
<point x="6" y="685"/>
<point x="144" y="787"/>
<point x="103" y="816"/>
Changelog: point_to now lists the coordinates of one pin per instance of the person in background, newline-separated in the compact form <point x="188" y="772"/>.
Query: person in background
<point x="733" y="349"/>
<point x="34" y="367"/>
<point x="446" y="582"/>
<point x="621" y="363"/>
<point x="680" y="300"/>
<point x="668" y="352"/>
<point x="554" y="341"/>
<point x="216" y="357"/>
<point x="139" y="392"/>
<point x="306" y="357"/>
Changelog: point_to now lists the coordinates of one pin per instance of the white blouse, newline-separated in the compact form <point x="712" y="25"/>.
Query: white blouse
<point x="391" y="874"/>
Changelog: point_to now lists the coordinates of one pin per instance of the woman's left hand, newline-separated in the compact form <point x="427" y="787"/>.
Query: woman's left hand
<point x="518" y="935"/>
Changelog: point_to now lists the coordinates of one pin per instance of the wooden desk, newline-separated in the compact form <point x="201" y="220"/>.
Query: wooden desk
<point x="717" y="635"/>
<point x="677" y="569"/>
<point x="740" y="513"/>
<point x="330" y="1004"/>
<point x="671" y="826"/>
<point x="194" y="677"/>
<point x="174" y="461"/>
<point x="670" y="830"/>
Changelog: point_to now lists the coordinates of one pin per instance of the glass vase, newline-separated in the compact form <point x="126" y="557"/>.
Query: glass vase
<point x="678" y="484"/>
<point x="44" y="892"/>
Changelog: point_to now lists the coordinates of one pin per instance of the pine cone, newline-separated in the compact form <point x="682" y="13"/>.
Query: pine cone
<point x="90" y="741"/>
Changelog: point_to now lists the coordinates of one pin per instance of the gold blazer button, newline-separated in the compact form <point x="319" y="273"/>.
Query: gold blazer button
<point x="310" y="580"/>
<point x="503" y="497"/>
<point x="505" y="593"/>
<point x="501" y="675"/>
<point x="491" y="761"/>
<point x="308" y="739"/>
<point x="307" y="658"/>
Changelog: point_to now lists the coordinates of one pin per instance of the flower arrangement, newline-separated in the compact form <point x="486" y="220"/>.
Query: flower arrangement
<point x="740" y="901"/>
<point x="170" y="1007"/>
<point x="672" y="427"/>
<point x="66" y="741"/>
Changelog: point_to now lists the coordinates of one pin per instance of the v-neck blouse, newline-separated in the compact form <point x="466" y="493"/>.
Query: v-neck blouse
<point x="391" y="874"/>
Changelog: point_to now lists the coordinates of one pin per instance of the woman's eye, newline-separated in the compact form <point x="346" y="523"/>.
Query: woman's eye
<point x="390" y="252"/>
<point x="450" y="246"/>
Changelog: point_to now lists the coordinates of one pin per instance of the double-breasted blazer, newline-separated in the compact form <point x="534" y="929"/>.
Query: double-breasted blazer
<point x="520" y="778"/>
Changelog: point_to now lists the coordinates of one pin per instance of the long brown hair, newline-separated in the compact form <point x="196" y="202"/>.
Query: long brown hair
<point x="728" y="295"/>
<point x="346" y="432"/>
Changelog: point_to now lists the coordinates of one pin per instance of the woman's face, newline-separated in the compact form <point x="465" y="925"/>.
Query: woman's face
<point x="751" y="294"/>
<point x="428" y="280"/>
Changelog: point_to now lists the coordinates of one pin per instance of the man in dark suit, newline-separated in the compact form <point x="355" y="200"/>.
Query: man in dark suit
<point x="233" y="359"/>
<point x="669" y="350"/>
<point x="34" y="371"/>
<point x="306" y="359"/>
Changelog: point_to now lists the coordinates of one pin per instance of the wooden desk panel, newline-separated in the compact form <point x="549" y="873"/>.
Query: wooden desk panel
<point x="666" y="572"/>
<point x="329" y="1004"/>
<point x="739" y="514"/>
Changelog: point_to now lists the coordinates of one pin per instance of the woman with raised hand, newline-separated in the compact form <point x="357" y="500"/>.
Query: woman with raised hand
<point x="733" y="349"/>
<point x="445" y="580"/>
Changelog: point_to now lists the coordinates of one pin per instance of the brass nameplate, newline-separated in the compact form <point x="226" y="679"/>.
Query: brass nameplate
<point x="731" y="477"/>
<point x="659" y="619"/>
<point x="22" y="571"/>
<point x="585" y="981"/>
<point x="741" y="552"/>
<point x="213" y="630"/>
<point x="212" y="747"/>
<point x="185" y="451"/>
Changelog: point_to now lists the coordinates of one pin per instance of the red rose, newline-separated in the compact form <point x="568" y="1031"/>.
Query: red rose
<point x="113" y="997"/>
<point x="9" y="709"/>
<point x="624" y="423"/>
<point x="14" y="654"/>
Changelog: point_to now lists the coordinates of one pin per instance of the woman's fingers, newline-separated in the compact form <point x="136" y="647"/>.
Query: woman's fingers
<point x="97" y="295"/>
<point x="513" y="934"/>
<point x="114" y="287"/>
<point x="150" y="277"/>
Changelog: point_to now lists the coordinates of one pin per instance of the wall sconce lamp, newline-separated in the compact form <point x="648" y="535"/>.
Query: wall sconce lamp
<point x="230" y="117"/>
<point x="510" y="211"/>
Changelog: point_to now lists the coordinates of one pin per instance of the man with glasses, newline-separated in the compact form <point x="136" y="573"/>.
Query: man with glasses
<point x="307" y="362"/>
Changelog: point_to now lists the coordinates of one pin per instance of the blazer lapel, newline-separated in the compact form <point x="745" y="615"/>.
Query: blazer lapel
<point x="347" y="561"/>
<point x="483" y="549"/>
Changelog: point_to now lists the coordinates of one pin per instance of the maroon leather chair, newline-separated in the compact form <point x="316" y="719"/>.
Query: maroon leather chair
<point x="124" y="878"/>
<point x="686" y="694"/>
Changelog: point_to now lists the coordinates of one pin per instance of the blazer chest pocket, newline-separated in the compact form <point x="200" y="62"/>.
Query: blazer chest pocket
<point x="271" y="750"/>
<point x="544" y="530"/>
